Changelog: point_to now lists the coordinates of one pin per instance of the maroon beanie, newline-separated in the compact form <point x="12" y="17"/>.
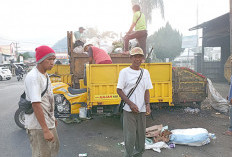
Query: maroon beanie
<point x="43" y="52"/>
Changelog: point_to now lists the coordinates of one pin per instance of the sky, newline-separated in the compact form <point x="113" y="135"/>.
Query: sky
<point x="32" y="23"/>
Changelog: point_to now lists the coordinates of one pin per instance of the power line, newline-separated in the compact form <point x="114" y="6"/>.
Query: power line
<point x="27" y="42"/>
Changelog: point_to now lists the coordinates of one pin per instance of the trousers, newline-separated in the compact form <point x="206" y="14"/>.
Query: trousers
<point x="230" y="127"/>
<point x="40" y="147"/>
<point x="134" y="130"/>
<point x="141" y="37"/>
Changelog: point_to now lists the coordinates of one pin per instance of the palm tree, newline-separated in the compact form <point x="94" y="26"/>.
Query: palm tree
<point x="148" y="5"/>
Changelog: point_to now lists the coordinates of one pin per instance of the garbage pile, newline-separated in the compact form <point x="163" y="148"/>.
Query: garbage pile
<point x="158" y="137"/>
<point x="104" y="43"/>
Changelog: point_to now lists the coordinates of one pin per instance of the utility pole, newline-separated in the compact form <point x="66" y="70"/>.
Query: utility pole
<point x="16" y="50"/>
<point x="197" y="33"/>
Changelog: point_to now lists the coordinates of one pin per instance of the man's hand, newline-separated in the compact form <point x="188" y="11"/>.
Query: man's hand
<point x="148" y="109"/>
<point x="48" y="136"/>
<point x="230" y="101"/>
<point x="134" y="108"/>
<point x="38" y="111"/>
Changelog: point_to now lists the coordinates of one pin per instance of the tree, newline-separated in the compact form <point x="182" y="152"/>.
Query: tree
<point x="166" y="43"/>
<point x="26" y="55"/>
<point x="148" y="5"/>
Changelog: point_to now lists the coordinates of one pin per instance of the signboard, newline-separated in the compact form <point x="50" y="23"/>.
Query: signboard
<point x="189" y="41"/>
<point x="106" y="97"/>
<point x="21" y="59"/>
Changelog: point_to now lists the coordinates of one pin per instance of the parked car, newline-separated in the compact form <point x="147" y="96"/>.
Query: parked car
<point x="5" y="74"/>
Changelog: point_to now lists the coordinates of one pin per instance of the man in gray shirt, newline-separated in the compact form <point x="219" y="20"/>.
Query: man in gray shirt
<point x="79" y="37"/>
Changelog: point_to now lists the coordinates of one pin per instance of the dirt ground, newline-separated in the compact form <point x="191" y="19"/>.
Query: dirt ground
<point x="101" y="136"/>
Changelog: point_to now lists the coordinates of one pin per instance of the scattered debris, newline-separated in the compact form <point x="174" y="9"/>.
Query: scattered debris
<point x="171" y="145"/>
<point x="192" y="111"/>
<point x="163" y="136"/>
<point x="81" y="155"/>
<point x="212" y="136"/>
<point x="156" y="146"/>
<point x="206" y="104"/>
<point x="153" y="131"/>
<point x="156" y="136"/>
<point x="71" y="120"/>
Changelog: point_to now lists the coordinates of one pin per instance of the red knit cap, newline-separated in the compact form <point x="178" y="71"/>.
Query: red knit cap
<point x="43" y="52"/>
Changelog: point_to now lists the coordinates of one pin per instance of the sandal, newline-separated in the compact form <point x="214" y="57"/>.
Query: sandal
<point x="228" y="133"/>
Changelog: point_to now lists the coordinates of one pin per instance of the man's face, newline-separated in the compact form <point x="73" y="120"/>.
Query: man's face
<point x="86" y="48"/>
<point x="81" y="30"/>
<point x="137" y="60"/>
<point x="48" y="63"/>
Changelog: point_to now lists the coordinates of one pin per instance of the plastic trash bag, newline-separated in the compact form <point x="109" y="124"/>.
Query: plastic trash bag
<point x="191" y="137"/>
<point x="217" y="101"/>
<point x="156" y="146"/>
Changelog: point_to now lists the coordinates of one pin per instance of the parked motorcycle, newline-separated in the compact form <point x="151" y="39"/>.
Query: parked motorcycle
<point x="68" y="101"/>
<point x="19" y="118"/>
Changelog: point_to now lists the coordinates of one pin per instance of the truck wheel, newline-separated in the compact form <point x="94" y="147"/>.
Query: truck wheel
<point x="0" y="78"/>
<point x="19" y="118"/>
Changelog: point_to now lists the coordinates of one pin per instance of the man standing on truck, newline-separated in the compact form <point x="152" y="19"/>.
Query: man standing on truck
<point x="137" y="106"/>
<point x="79" y="37"/>
<point x="140" y="33"/>
<point x="41" y="124"/>
<point x="98" y="55"/>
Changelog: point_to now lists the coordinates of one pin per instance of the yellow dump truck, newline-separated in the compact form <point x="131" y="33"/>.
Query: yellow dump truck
<point x="97" y="93"/>
<point x="61" y="73"/>
<point x="100" y="95"/>
<point x="96" y="84"/>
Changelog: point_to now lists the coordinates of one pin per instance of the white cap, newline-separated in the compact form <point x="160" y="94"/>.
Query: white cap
<point x="136" y="51"/>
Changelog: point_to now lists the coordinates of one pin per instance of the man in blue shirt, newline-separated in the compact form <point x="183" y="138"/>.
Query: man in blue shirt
<point x="229" y="131"/>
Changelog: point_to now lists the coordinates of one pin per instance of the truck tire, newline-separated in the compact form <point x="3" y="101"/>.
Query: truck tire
<point x="19" y="118"/>
<point x="0" y="78"/>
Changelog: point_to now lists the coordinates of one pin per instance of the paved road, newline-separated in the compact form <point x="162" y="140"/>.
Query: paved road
<point x="13" y="140"/>
<point x="100" y="137"/>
